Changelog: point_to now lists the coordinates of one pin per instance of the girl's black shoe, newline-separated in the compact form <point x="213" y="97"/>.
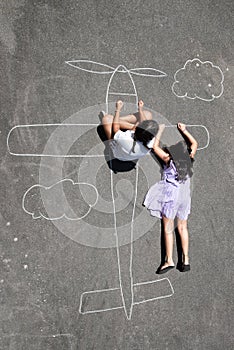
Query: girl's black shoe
<point x="185" y="268"/>
<point x="161" y="271"/>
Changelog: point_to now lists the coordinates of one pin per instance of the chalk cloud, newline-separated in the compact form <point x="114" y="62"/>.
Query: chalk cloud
<point x="198" y="80"/>
<point x="65" y="199"/>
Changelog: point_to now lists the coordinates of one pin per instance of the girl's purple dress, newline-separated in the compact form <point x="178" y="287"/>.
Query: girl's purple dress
<point x="169" y="197"/>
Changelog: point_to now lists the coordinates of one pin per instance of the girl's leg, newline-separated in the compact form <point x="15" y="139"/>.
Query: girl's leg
<point x="183" y="232"/>
<point x="168" y="226"/>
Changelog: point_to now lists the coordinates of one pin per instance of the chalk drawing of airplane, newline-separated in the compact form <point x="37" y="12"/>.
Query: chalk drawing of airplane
<point x="128" y="293"/>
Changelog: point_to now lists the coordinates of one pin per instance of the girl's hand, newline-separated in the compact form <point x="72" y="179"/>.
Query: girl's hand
<point x="140" y="104"/>
<point x="119" y="105"/>
<point x="181" y="127"/>
<point x="191" y="155"/>
<point x="161" y="127"/>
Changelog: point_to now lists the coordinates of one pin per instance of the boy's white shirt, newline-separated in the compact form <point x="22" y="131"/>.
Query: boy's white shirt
<point x="123" y="143"/>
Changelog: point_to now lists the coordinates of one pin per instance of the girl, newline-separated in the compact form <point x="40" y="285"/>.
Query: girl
<point x="170" y="197"/>
<point x="139" y="136"/>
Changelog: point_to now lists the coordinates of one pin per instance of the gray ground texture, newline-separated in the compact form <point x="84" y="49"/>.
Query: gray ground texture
<point x="44" y="271"/>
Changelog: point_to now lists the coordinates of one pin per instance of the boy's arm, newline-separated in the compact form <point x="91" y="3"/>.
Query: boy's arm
<point x="158" y="150"/>
<point x="192" y="140"/>
<point x="116" y="121"/>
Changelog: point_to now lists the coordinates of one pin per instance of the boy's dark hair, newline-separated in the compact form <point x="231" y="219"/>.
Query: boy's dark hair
<point x="180" y="155"/>
<point x="145" y="132"/>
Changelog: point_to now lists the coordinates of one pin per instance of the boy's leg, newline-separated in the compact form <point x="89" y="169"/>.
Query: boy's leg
<point x="147" y="114"/>
<point x="134" y="118"/>
<point x="127" y="122"/>
<point x="107" y="122"/>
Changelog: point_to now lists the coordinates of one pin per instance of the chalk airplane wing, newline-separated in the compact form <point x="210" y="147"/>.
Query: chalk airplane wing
<point x="69" y="131"/>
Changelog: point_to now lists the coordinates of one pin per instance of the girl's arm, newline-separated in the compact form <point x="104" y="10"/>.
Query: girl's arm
<point x="116" y="121"/>
<point x="158" y="150"/>
<point x="192" y="140"/>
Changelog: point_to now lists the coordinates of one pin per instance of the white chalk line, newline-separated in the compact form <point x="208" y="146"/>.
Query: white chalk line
<point x="50" y="155"/>
<point x="159" y="73"/>
<point x="132" y="232"/>
<point x="194" y="125"/>
<point x="196" y="96"/>
<point x="64" y="215"/>
<point x="156" y="298"/>
<point x="136" y="71"/>
<point x="128" y="315"/>
<point x="77" y="155"/>
<point x="117" y="246"/>
<point x="119" y="289"/>
<point x="70" y="63"/>
<point x="95" y="311"/>
<point x="98" y="311"/>
<point x="121" y="93"/>
<point x="109" y="83"/>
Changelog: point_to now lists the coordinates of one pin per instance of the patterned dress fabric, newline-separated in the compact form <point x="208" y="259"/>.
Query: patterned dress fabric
<point x="169" y="197"/>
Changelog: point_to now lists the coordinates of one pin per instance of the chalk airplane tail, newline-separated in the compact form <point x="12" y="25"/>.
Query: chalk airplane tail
<point x="103" y="300"/>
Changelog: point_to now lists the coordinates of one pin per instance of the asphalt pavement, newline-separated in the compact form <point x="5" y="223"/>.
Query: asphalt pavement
<point x="78" y="250"/>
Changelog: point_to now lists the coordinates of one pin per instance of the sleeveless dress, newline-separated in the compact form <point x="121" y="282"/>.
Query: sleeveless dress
<point x="169" y="197"/>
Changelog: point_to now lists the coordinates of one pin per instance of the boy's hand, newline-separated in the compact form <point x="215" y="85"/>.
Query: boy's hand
<point x="119" y="105"/>
<point x="135" y="126"/>
<point x="181" y="127"/>
<point x="140" y="104"/>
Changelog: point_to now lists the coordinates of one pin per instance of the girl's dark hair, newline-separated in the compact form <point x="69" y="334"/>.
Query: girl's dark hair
<point x="145" y="132"/>
<point x="180" y="155"/>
